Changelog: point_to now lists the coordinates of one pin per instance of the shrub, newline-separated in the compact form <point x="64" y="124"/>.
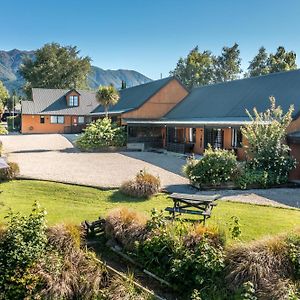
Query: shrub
<point x="126" y="227"/>
<point x="9" y="173"/>
<point x="14" y="120"/>
<point x="120" y="289"/>
<point x="144" y="185"/>
<point x="67" y="271"/>
<point x="3" y="130"/>
<point x="21" y="245"/>
<point x="100" y="134"/>
<point x="41" y="263"/>
<point x="265" y="264"/>
<point x="216" y="167"/>
<point x="266" y="148"/>
<point x="177" y="250"/>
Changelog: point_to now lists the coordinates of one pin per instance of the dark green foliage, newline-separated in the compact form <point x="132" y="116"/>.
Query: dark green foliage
<point x="250" y="177"/>
<point x="37" y="262"/>
<point x="12" y="101"/>
<point x="196" y="69"/>
<point x="102" y="134"/>
<point x="9" y="173"/>
<point x="268" y="154"/>
<point x="216" y="167"/>
<point x="4" y="95"/>
<point x="293" y="242"/>
<point x="21" y="245"/>
<point x="177" y="250"/>
<point x="235" y="227"/>
<point x="264" y="63"/>
<point x="282" y="61"/>
<point x="248" y="291"/>
<point x="259" y="65"/>
<point x="202" y="68"/>
<point x="227" y="66"/>
<point x="14" y="122"/>
<point x="57" y="67"/>
<point x="107" y="96"/>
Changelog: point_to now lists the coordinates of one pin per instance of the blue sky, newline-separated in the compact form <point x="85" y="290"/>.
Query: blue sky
<point x="150" y="35"/>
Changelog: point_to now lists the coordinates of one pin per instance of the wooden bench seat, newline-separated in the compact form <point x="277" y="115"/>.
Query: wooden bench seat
<point x="94" y="227"/>
<point x="187" y="211"/>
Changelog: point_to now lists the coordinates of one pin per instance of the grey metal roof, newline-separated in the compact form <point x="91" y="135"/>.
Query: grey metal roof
<point x="133" y="97"/>
<point x="231" y="99"/>
<point x="53" y="102"/>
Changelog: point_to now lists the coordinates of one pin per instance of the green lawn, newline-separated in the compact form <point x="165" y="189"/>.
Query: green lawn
<point x="73" y="204"/>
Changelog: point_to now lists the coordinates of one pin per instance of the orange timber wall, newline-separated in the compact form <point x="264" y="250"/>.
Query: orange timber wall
<point x="33" y="121"/>
<point x="295" y="150"/>
<point x="160" y="103"/>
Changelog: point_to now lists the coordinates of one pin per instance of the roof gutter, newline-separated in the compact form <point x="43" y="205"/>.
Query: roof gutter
<point x="190" y="123"/>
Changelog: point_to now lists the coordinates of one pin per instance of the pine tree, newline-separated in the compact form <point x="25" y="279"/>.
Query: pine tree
<point x="282" y="60"/>
<point x="227" y="66"/>
<point x="259" y="64"/>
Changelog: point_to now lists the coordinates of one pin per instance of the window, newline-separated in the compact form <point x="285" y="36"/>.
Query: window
<point x="42" y="119"/>
<point x="214" y="137"/>
<point x="192" y="135"/>
<point x="57" y="119"/>
<point x="80" y="120"/>
<point x="73" y="100"/>
<point x="236" y="137"/>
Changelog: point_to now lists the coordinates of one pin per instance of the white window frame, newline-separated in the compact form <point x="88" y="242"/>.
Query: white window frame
<point x="81" y="118"/>
<point x="73" y="100"/>
<point x="75" y="103"/>
<point x="57" y="119"/>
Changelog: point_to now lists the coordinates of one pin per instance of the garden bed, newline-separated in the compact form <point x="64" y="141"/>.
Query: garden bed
<point x="210" y="268"/>
<point x="105" y="150"/>
<point x="233" y="186"/>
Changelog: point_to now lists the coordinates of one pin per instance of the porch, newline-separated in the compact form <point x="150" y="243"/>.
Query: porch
<point x="186" y="139"/>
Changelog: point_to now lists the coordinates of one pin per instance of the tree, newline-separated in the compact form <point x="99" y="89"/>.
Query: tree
<point x="194" y="70"/>
<point x="259" y="64"/>
<point x="282" y="61"/>
<point x="12" y="101"/>
<point x="227" y="66"/>
<point x="55" y="66"/>
<point x="4" y="94"/>
<point x="123" y="85"/>
<point x="107" y="96"/>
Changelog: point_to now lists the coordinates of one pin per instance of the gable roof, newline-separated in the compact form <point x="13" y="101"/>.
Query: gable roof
<point x="134" y="97"/>
<point x="53" y="102"/>
<point x="229" y="100"/>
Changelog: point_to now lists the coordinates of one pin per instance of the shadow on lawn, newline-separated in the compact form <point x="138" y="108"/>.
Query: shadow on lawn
<point x="118" y="197"/>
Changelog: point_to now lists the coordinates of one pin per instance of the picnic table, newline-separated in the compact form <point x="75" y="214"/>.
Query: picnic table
<point x="194" y="204"/>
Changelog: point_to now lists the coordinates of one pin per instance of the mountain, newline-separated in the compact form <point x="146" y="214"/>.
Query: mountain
<point x="10" y="62"/>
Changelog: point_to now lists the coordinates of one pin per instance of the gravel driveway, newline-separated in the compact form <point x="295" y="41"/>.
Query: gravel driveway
<point x="53" y="157"/>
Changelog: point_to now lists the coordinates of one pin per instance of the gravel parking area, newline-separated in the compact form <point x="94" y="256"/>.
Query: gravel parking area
<point x="54" y="157"/>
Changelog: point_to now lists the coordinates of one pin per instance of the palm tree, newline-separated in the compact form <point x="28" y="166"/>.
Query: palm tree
<point x="107" y="96"/>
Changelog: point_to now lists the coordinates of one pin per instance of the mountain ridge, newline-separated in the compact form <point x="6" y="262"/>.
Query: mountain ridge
<point x="11" y="60"/>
